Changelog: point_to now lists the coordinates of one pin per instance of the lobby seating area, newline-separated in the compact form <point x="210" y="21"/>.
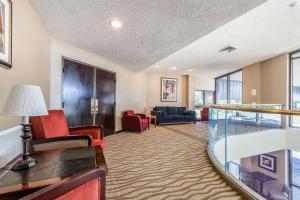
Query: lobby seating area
<point x="149" y="100"/>
<point x="134" y="121"/>
<point x="173" y="115"/>
<point x="55" y="125"/>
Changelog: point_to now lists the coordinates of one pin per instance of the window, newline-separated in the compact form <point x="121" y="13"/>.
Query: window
<point x="203" y="98"/>
<point x="229" y="88"/>
<point x="295" y="173"/>
<point x="295" y="87"/>
<point x="221" y="90"/>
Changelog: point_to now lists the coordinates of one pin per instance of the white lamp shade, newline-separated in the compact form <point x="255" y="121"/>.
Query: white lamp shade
<point x="25" y="100"/>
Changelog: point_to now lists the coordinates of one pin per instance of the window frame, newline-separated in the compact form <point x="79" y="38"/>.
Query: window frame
<point x="291" y="69"/>
<point x="227" y="85"/>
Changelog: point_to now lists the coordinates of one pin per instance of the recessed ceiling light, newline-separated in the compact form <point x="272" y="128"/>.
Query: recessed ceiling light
<point x="190" y="70"/>
<point x="156" y="65"/>
<point x="115" y="24"/>
<point x="173" y="68"/>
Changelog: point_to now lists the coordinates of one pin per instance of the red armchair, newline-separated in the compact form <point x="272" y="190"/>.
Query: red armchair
<point x="55" y="125"/>
<point x="204" y="113"/>
<point x="134" y="122"/>
<point x="90" y="185"/>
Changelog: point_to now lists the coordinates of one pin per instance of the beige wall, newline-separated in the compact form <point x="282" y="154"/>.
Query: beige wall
<point x="153" y="90"/>
<point x="30" y="56"/>
<point x="31" y="65"/>
<point x="130" y="87"/>
<point x="275" y="80"/>
<point x="270" y="78"/>
<point x="251" y="80"/>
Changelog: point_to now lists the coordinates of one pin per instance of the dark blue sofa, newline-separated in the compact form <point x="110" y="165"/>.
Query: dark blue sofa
<point x="168" y="115"/>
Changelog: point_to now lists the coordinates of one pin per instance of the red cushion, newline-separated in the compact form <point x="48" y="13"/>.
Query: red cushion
<point x="102" y="143"/>
<point x="144" y="124"/>
<point x="89" y="190"/>
<point x="128" y="113"/>
<point x="52" y="125"/>
<point x="94" y="132"/>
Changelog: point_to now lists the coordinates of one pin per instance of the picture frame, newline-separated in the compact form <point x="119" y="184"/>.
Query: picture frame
<point x="267" y="162"/>
<point x="6" y="34"/>
<point x="168" y="89"/>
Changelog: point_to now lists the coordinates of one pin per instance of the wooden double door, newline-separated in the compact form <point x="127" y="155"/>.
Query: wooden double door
<point x="88" y="95"/>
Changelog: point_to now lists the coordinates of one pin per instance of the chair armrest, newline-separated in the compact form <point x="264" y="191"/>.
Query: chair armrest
<point x="95" y="131"/>
<point x="64" y="142"/>
<point x="143" y="116"/>
<point x="132" y="122"/>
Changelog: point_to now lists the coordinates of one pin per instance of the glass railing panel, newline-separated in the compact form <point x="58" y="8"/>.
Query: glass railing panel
<point x="258" y="150"/>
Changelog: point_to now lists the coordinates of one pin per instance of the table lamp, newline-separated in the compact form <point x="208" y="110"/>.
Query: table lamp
<point x="25" y="101"/>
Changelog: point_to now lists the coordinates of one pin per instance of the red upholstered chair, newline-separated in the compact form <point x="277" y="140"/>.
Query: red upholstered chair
<point x="134" y="122"/>
<point x="55" y="125"/>
<point x="204" y="113"/>
<point x="90" y="185"/>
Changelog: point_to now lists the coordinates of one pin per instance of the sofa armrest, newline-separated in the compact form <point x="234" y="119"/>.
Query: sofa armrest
<point x="190" y="112"/>
<point x="143" y="116"/>
<point x="95" y="131"/>
<point x="64" y="142"/>
<point x="158" y="114"/>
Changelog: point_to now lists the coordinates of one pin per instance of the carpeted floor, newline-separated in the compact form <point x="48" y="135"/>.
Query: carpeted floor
<point x="164" y="163"/>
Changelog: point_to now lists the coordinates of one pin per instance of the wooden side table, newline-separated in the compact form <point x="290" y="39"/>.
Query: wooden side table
<point x="53" y="167"/>
<point x="150" y="119"/>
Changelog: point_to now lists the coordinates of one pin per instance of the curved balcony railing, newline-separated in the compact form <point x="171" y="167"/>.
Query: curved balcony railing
<point x="257" y="148"/>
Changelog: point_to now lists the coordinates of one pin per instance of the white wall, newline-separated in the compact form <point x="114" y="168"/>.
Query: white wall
<point x="130" y="88"/>
<point x="31" y="65"/>
<point x="198" y="83"/>
<point x="153" y="94"/>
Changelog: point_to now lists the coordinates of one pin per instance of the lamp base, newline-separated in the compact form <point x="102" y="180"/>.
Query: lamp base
<point x="24" y="164"/>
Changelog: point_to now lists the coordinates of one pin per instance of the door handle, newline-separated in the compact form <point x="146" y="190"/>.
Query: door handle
<point x="92" y="106"/>
<point x="96" y="106"/>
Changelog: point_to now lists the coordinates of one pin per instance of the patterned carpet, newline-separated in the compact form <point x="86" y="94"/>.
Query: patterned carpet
<point x="164" y="163"/>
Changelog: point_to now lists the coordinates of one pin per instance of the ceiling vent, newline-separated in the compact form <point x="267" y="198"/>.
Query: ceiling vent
<point x="228" y="49"/>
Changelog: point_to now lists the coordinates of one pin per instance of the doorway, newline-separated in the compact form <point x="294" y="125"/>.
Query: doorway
<point x="88" y="95"/>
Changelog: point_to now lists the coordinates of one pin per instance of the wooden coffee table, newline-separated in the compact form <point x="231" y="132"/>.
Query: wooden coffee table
<point x="150" y="119"/>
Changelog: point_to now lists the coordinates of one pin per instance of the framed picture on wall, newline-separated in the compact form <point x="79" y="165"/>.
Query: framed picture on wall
<point x="267" y="162"/>
<point x="168" y="89"/>
<point x="5" y="33"/>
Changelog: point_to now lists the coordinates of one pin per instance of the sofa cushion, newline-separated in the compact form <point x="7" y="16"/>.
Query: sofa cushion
<point x="180" y="110"/>
<point x="169" y="117"/>
<point x="162" y="109"/>
<point x="177" y="116"/>
<point x="171" y="110"/>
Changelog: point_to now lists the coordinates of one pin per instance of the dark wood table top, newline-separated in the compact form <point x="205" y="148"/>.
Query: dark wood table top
<point x="53" y="166"/>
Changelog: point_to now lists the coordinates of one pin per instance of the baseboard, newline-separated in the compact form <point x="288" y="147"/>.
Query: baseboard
<point x="119" y="131"/>
<point x="175" y="123"/>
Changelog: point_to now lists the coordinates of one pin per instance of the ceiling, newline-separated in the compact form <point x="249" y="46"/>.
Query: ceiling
<point x="271" y="29"/>
<point x="152" y="29"/>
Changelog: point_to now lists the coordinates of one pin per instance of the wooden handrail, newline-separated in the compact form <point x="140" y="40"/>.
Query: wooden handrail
<point x="257" y="110"/>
